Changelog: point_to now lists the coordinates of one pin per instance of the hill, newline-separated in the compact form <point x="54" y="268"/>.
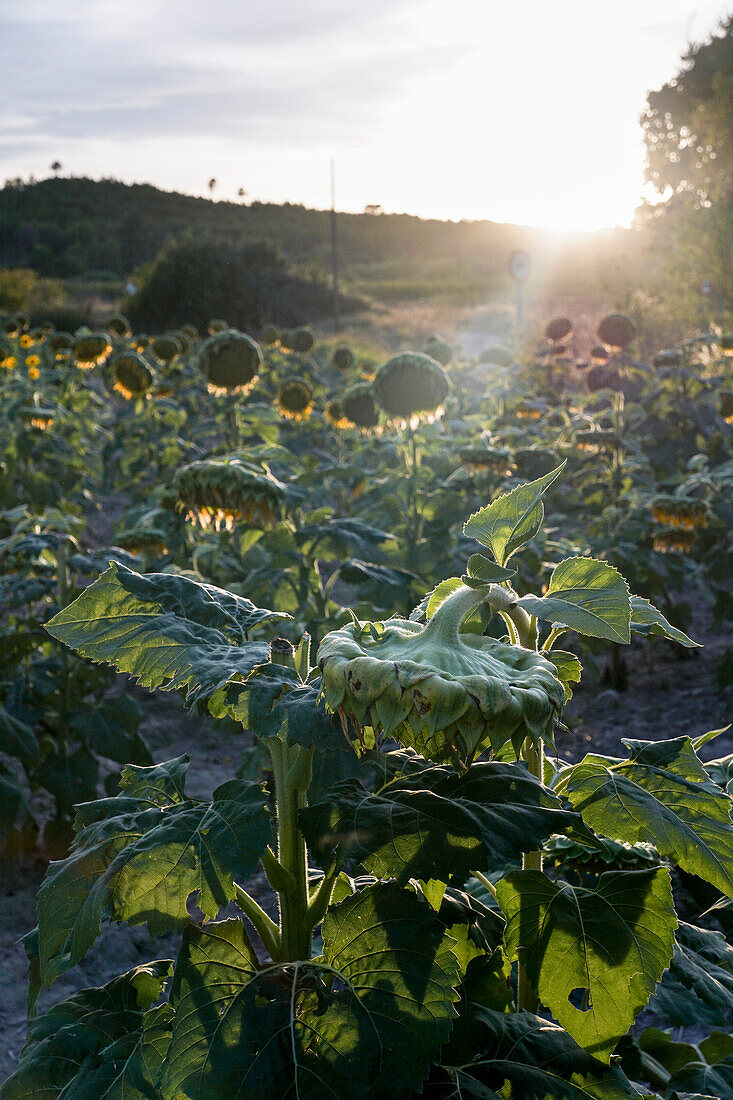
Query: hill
<point x="71" y="228"/>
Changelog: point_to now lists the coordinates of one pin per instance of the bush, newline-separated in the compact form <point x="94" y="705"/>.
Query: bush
<point x="194" y="280"/>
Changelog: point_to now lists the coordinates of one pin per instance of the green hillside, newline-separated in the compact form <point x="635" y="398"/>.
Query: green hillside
<point x="71" y="228"/>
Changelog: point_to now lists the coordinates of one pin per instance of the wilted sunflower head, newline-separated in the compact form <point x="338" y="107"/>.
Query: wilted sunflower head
<point x="343" y="358"/>
<point x="441" y="692"/>
<point x="726" y="405"/>
<point x="559" y="329"/>
<point x="221" y="492"/>
<point x="616" y="331"/>
<point x="598" y="355"/>
<point x="669" y="357"/>
<point x="132" y="375"/>
<point x="119" y="325"/>
<point x="230" y="362"/>
<point x="335" y="416"/>
<point x="12" y="326"/>
<point x="529" y="410"/>
<point x="165" y="348"/>
<point x="183" y="340"/>
<point x="302" y="340"/>
<point x="269" y="336"/>
<point x="674" y="540"/>
<point x="295" y="399"/>
<point x="439" y="350"/>
<point x="217" y="325"/>
<point x="595" y="441"/>
<point x="497" y="355"/>
<point x="410" y="385"/>
<point x="190" y="330"/>
<point x="359" y="407"/>
<point x="496" y="460"/>
<point x="61" y="344"/>
<point x="90" y="348"/>
<point x="679" y="512"/>
<point x="33" y="416"/>
<point x="143" y="540"/>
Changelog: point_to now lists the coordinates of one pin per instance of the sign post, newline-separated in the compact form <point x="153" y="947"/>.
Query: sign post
<point x="519" y="269"/>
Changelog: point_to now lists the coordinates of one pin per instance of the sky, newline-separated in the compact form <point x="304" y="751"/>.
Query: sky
<point x="517" y="111"/>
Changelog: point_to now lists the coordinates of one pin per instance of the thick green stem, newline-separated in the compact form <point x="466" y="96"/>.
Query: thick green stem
<point x="292" y="769"/>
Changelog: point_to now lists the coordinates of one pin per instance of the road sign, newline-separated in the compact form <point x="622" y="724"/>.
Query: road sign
<point x="519" y="265"/>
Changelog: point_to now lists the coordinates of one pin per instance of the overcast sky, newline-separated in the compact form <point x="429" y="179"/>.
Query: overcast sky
<point x="522" y="111"/>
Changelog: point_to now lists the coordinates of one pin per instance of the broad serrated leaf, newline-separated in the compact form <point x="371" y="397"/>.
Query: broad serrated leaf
<point x="699" y="982"/>
<point x="661" y="795"/>
<point x="569" y="669"/>
<point x="585" y="595"/>
<point x="111" y="729"/>
<point x="647" y="620"/>
<point x="100" y="1044"/>
<point x="537" y="1059"/>
<point x="335" y="1026"/>
<point x="18" y="739"/>
<point x="436" y="824"/>
<point x="139" y="859"/>
<point x="165" y="630"/>
<point x="505" y="525"/>
<point x="606" y="948"/>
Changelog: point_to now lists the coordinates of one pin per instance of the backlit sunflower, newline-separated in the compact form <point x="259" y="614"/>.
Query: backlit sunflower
<point x="295" y="400"/>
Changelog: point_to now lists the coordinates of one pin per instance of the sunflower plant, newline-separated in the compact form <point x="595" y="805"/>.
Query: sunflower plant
<point x="416" y="830"/>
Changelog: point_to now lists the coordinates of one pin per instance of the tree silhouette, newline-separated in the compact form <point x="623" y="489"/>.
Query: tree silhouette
<point x="56" y="167"/>
<point x="212" y="186"/>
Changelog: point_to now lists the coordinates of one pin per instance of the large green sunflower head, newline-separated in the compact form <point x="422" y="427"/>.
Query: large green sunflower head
<point x="230" y="362"/>
<point x="410" y="385"/>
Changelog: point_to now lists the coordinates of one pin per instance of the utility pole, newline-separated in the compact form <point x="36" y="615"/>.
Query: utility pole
<point x="334" y="251"/>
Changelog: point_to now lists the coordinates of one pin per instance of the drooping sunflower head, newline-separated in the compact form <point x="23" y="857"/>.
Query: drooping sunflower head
<point x="119" y="326"/>
<point x="669" y="357"/>
<point x="91" y="348"/>
<point x="34" y="416"/>
<point x="726" y="344"/>
<point x="165" y="348"/>
<point x="359" y="407"/>
<point x="12" y="326"/>
<point x="483" y="460"/>
<point x="150" y="541"/>
<point x="411" y="385"/>
<point x="302" y="340"/>
<point x="598" y="355"/>
<point x="230" y="361"/>
<point x="559" y="330"/>
<point x="191" y="331"/>
<point x="726" y="406"/>
<point x="132" y="375"/>
<point x="497" y="355"/>
<point x="674" y="540"/>
<point x="441" y="692"/>
<point x="343" y="358"/>
<point x="616" y="331"/>
<point x="223" y="492"/>
<point x="440" y="350"/>
<point x="335" y="416"/>
<point x="679" y="512"/>
<point x="269" y="336"/>
<point x="217" y="325"/>
<point x="295" y="399"/>
<point x="596" y="441"/>
<point x="61" y="344"/>
<point x="530" y="410"/>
